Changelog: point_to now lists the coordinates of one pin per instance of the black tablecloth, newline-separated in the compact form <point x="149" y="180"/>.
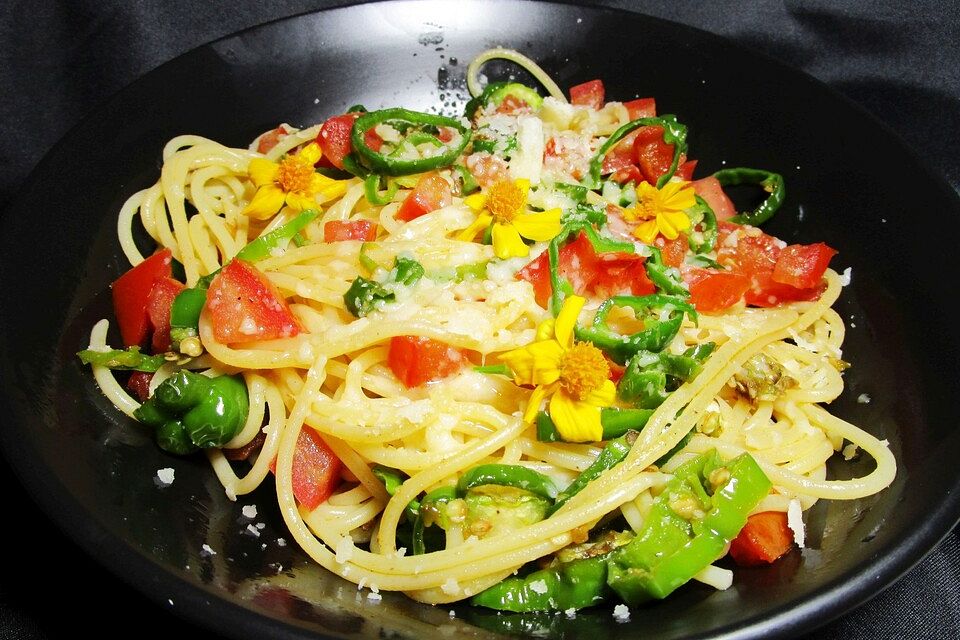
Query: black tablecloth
<point x="60" y="59"/>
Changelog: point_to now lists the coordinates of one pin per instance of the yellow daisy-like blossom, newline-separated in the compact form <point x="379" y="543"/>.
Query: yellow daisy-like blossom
<point x="505" y="206"/>
<point x="573" y="375"/>
<point x="292" y="182"/>
<point x="661" y="211"/>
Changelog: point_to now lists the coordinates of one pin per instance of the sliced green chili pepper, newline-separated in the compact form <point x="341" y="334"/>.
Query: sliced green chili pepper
<point x="709" y="231"/>
<point x="496" y="92"/>
<point x="371" y="186"/>
<point x="129" y="359"/>
<point x="406" y="271"/>
<point x="568" y="585"/>
<point x="666" y="278"/>
<point x="771" y="182"/>
<point x="675" y="542"/>
<point x="363" y="295"/>
<point x="430" y="511"/>
<point x="508" y="475"/>
<point x="357" y="108"/>
<point x="650" y="377"/>
<point x="392" y="479"/>
<point x="474" y="270"/>
<point x="494" y="369"/>
<point x="655" y="335"/>
<point x="576" y="192"/>
<point x="366" y="261"/>
<point x="263" y="246"/>
<point x="190" y="408"/>
<point x="673" y="133"/>
<point x="353" y="166"/>
<point x="383" y="164"/>
<point x="605" y="245"/>
<point x="468" y="184"/>
<point x="611" y="455"/>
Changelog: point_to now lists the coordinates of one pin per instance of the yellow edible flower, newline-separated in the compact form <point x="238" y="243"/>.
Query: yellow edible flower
<point x="292" y="181"/>
<point x="661" y="211"/>
<point x="505" y="205"/>
<point x="573" y="375"/>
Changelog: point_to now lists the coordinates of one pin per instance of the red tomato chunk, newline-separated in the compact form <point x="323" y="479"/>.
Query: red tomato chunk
<point x="431" y="193"/>
<point x="588" y="94"/>
<point x="416" y="360"/>
<point x="339" y="230"/>
<point x="161" y="298"/>
<point x="762" y="540"/>
<point x="131" y="294"/>
<point x="244" y="306"/>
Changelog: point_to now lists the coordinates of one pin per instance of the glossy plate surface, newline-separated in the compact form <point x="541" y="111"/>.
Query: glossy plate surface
<point x="93" y="470"/>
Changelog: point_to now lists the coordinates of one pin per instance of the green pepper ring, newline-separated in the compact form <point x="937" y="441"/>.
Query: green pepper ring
<point x="383" y="164"/>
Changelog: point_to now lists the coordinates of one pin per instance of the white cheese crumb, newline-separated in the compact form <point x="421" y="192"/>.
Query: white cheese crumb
<point x="250" y="511"/>
<point x="165" y="477"/>
<point x="849" y="451"/>
<point x="401" y="552"/>
<point x="571" y="613"/>
<point x="453" y="614"/>
<point x="539" y="586"/>
<point x="795" y="522"/>
<point x="261" y="526"/>
<point x="281" y="542"/>
<point x="863" y="398"/>
<point x="345" y="549"/>
<point x="451" y="587"/>
<point x="170" y="601"/>
<point x="621" y="613"/>
<point x="373" y="595"/>
<point x="845" y="276"/>
<point x="253" y="531"/>
<point x="207" y="551"/>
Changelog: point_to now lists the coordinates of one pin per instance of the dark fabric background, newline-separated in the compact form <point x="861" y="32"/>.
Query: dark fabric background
<point x="58" y="60"/>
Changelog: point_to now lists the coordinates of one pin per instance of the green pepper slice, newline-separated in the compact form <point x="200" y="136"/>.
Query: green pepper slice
<point x="383" y="164"/>
<point x="673" y="133"/>
<point x="508" y="475"/>
<point x="771" y="182"/>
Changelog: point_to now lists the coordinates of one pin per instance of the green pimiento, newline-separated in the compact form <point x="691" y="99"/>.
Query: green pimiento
<point x="415" y="126"/>
<point x="509" y="475"/>
<point x="191" y="411"/>
<point x="364" y="294"/>
<point x="566" y="585"/>
<point x="129" y="359"/>
<point x="496" y="92"/>
<point x="277" y="239"/>
<point x="612" y="455"/>
<point x="770" y="182"/>
<point x="673" y="133"/>
<point x="650" y="377"/>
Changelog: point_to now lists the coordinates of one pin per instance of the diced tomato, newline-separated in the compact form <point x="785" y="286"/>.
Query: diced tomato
<point x="512" y="105"/>
<point x="616" y="370"/>
<point x="685" y="168"/>
<point x="161" y="297"/>
<point x="316" y="469"/>
<point x="651" y="153"/>
<point x="431" y="193"/>
<point x="488" y="169"/>
<point x="270" y="139"/>
<point x="762" y="540"/>
<point x="244" y="306"/>
<point x="630" y="173"/>
<point x="620" y="273"/>
<point x="713" y="290"/>
<point x="641" y="108"/>
<point x="337" y="230"/>
<point x="710" y="189"/>
<point x="621" y="156"/>
<point x="588" y="94"/>
<point x="803" y="265"/>
<point x="416" y="360"/>
<point x="764" y="292"/>
<point x="673" y="251"/>
<point x="131" y="291"/>
<point x="334" y="138"/>
<point x="749" y="254"/>
<point x="444" y="134"/>
<point x="139" y="384"/>
<point x="242" y="453"/>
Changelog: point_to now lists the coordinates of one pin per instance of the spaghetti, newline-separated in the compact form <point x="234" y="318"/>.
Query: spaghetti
<point x="497" y="311"/>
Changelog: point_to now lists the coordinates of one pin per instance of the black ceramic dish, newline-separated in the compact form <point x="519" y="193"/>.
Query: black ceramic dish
<point x="92" y="470"/>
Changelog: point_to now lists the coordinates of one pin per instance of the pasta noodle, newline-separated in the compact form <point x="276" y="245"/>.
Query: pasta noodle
<point x="335" y="376"/>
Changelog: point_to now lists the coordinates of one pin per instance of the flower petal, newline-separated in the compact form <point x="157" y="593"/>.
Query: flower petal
<point x="266" y="202"/>
<point x="576" y="421"/>
<point x="538" y="226"/>
<point x="567" y="319"/>
<point x="476" y="201"/>
<point x="333" y="190"/>
<point x="533" y="404"/>
<point x="646" y="231"/>
<point x="311" y="153"/>
<point x="482" y="222"/>
<point x="671" y="223"/>
<point x="603" y="396"/>
<point x="545" y="329"/>
<point x="507" y="242"/>
<point x="262" y="171"/>
<point x="536" y="363"/>
<point x="680" y="196"/>
<point x="299" y="201"/>
<point x="524" y="185"/>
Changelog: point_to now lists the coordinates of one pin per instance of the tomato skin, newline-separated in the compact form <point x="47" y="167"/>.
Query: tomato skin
<point x="131" y="293"/>
<point x="619" y="273"/>
<point x="685" y="168"/>
<point x="630" y="173"/>
<point x="416" y="360"/>
<point x="764" y="539"/>
<point x="764" y="292"/>
<point x="673" y="251"/>
<point x="339" y="230"/>
<point x="641" y="108"/>
<point x="511" y="105"/>
<point x="621" y="156"/>
<point x="651" y="153"/>
<point x="712" y="290"/>
<point x="711" y="190"/>
<point x="334" y="139"/>
<point x="161" y="297"/>
<point x="588" y="94"/>
<point x="802" y="265"/>
<point x="316" y="469"/>
<point x="245" y="306"/>
<point x="431" y="193"/>
<point x="270" y="139"/>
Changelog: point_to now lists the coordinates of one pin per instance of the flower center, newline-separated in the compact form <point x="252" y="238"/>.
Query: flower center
<point x="294" y="174"/>
<point x="645" y="209"/>
<point x="504" y="200"/>
<point x="583" y="370"/>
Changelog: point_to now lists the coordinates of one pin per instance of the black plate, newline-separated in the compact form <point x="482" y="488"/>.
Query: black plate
<point x="92" y="470"/>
